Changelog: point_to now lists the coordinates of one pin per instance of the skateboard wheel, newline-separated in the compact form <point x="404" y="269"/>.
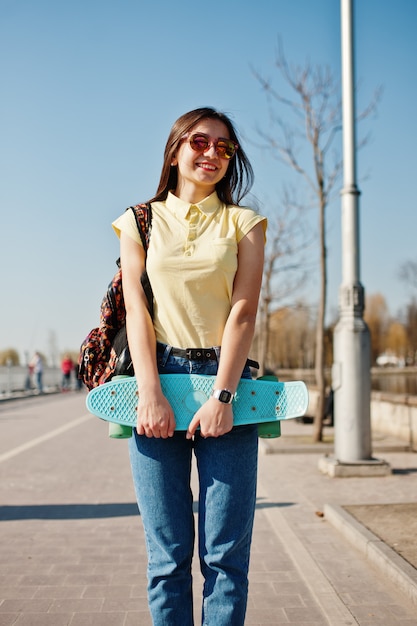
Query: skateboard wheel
<point x="269" y="430"/>
<point x="118" y="431"/>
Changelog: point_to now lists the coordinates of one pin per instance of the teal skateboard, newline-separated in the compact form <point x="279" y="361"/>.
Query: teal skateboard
<point x="264" y="401"/>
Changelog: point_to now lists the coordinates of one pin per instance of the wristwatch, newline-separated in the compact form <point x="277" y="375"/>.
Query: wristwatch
<point x="223" y="395"/>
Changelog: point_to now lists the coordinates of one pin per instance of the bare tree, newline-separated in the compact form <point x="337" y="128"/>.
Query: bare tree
<point x="293" y="337"/>
<point x="408" y="273"/>
<point x="411" y="329"/>
<point x="315" y="109"/>
<point x="316" y="114"/>
<point x="377" y="319"/>
<point x="284" y="272"/>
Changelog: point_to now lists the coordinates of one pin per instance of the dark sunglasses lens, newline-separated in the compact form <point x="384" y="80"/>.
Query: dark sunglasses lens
<point x="199" y="142"/>
<point x="225" y="149"/>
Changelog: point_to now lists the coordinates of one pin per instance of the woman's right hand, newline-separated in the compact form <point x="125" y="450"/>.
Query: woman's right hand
<point x="155" y="416"/>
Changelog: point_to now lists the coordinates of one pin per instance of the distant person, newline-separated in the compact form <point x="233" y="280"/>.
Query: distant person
<point x="37" y="365"/>
<point x="78" y="381"/>
<point x="66" y="369"/>
<point x="28" y="382"/>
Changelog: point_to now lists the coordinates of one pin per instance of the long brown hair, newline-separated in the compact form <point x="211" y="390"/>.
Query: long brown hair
<point x="239" y="176"/>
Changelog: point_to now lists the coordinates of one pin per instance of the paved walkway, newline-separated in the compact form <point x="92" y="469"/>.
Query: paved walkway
<point x="71" y="543"/>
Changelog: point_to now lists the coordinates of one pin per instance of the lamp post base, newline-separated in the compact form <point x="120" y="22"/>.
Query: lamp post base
<point x="338" y="469"/>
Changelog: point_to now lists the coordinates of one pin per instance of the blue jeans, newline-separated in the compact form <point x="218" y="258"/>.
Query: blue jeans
<point x="227" y="472"/>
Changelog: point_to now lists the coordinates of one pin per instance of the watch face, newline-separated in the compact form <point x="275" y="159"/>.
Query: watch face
<point x="225" y="396"/>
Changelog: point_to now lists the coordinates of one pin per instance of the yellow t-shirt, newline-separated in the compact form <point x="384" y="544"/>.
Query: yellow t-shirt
<point x="191" y="263"/>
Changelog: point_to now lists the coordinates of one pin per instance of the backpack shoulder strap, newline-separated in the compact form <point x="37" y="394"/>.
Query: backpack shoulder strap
<point x="143" y="217"/>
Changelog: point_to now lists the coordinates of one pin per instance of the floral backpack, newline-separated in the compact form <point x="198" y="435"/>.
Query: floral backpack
<point x="105" y="353"/>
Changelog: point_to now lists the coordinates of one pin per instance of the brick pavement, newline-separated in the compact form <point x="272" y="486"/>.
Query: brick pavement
<point x="72" y="548"/>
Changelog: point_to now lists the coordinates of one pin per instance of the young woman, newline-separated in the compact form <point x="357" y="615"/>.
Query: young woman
<point x="205" y="263"/>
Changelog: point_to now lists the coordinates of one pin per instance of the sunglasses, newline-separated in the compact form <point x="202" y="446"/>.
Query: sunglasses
<point x="200" y="142"/>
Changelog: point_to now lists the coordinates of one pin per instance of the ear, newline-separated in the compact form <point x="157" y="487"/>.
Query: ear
<point x="174" y="161"/>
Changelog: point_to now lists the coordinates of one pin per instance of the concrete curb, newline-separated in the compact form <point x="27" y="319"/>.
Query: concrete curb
<point x="321" y="589"/>
<point x="267" y="446"/>
<point x="379" y="553"/>
<point x="24" y="395"/>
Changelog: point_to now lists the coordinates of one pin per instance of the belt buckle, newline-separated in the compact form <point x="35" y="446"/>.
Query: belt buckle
<point x="194" y="354"/>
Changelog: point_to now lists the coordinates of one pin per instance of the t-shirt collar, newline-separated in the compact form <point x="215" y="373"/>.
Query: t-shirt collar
<point x="209" y="205"/>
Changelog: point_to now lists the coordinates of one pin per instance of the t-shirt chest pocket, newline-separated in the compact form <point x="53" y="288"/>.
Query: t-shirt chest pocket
<point x="224" y="251"/>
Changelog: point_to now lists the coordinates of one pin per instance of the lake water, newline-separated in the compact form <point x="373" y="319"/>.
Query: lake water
<point x="402" y="381"/>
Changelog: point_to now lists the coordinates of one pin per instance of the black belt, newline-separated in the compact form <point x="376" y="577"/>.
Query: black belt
<point x="199" y="354"/>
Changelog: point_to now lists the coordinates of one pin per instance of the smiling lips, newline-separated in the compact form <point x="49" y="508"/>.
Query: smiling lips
<point x="207" y="166"/>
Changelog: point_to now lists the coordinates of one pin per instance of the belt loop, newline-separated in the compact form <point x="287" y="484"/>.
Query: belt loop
<point x="217" y="351"/>
<point x="166" y="352"/>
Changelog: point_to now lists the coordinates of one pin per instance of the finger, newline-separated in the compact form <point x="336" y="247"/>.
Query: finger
<point x="192" y="428"/>
<point x="171" y="427"/>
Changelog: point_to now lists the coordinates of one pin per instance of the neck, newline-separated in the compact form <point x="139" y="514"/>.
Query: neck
<point x="192" y="194"/>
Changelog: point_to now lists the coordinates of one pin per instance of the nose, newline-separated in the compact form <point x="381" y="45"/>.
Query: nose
<point x="211" y="150"/>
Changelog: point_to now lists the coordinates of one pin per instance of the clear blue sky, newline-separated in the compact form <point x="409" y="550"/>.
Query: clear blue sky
<point x="89" y="91"/>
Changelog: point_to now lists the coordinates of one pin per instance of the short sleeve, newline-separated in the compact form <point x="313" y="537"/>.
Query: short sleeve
<point x="127" y="223"/>
<point x="246" y="219"/>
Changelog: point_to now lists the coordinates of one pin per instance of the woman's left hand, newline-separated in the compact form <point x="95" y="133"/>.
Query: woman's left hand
<point x="214" y="419"/>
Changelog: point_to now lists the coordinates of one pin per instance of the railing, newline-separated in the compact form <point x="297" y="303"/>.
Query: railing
<point x="15" y="379"/>
<point x="387" y="379"/>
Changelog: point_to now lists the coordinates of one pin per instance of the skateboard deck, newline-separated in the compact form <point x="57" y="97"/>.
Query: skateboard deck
<point x="256" y="401"/>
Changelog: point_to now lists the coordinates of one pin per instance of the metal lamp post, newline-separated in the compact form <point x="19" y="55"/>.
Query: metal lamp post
<point x="351" y="373"/>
